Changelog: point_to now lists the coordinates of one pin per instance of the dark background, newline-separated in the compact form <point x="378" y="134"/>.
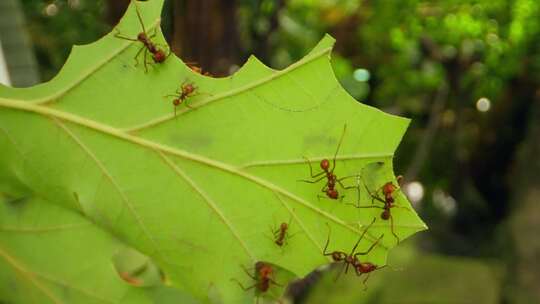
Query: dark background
<point x="466" y="72"/>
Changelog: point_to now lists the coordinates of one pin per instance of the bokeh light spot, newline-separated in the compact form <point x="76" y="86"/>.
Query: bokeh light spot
<point x="51" y="10"/>
<point x="483" y="104"/>
<point x="414" y="191"/>
<point x="361" y="75"/>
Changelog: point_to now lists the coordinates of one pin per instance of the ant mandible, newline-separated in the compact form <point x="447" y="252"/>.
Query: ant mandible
<point x="331" y="179"/>
<point x="263" y="277"/>
<point x="388" y="189"/>
<point x="187" y="90"/>
<point x="350" y="259"/>
<point x="158" y="55"/>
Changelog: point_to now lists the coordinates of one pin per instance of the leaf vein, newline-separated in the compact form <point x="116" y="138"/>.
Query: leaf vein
<point x="28" y="276"/>
<point x="209" y="201"/>
<point x="106" y="129"/>
<point x="110" y="178"/>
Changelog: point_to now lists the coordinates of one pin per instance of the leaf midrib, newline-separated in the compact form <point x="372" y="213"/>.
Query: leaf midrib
<point x="111" y="131"/>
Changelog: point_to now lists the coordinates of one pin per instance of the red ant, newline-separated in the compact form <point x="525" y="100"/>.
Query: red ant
<point x="158" y="55"/>
<point x="280" y="234"/>
<point x="387" y="190"/>
<point x="366" y="267"/>
<point x="351" y="259"/>
<point x="197" y="69"/>
<point x="263" y="277"/>
<point x="188" y="90"/>
<point x="331" y="179"/>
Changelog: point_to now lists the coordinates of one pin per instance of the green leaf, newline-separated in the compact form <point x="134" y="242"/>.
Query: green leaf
<point x="42" y="259"/>
<point x="200" y="192"/>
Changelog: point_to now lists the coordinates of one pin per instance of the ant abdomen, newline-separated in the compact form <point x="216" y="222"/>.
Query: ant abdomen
<point x="366" y="267"/>
<point x="159" y="56"/>
<point x="332" y="193"/>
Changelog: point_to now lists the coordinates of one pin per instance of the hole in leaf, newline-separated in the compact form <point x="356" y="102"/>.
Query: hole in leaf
<point x="136" y="268"/>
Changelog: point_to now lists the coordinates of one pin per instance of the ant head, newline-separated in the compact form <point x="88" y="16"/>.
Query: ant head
<point x="332" y="193"/>
<point x="388" y="188"/>
<point x="365" y="267"/>
<point x="159" y="56"/>
<point x="338" y="256"/>
<point x="176" y="102"/>
<point x="142" y="36"/>
<point x="188" y="88"/>
<point x="284" y="226"/>
<point x="385" y="215"/>
<point x="265" y="271"/>
<point x="325" y="164"/>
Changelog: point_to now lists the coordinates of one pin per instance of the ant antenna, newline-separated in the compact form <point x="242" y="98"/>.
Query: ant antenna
<point x="362" y="236"/>
<point x="139" y="15"/>
<point x="339" y="145"/>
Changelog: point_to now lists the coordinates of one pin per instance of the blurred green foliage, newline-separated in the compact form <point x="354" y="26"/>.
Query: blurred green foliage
<point x="55" y="26"/>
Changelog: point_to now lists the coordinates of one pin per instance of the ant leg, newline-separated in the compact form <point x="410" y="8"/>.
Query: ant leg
<point x="343" y="178"/>
<point x="311" y="169"/>
<point x="187" y="104"/>
<point x="124" y="37"/>
<point x="274" y="233"/>
<point x="370" y="248"/>
<point x="145" y="63"/>
<point x="275" y="283"/>
<point x="337" y="149"/>
<point x="340" y="272"/>
<point x="392" y="228"/>
<point x="120" y="36"/>
<point x="327" y="241"/>
<point x="249" y="274"/>
<point x="326" y="245"/>
<point x="402" y="207"/>
<point x="365" y="281"/>
<point x="137" y="55"/>
<point x="365" y="207"/>
<point x="324" y="188"/>
<point x="154" y="32"/>
<point x="362" y="236"/>
<point x="313" y="182"/>
<point x="319" y="197"/>
<point x="242" y="286"/>
<point x="374" y="196"/>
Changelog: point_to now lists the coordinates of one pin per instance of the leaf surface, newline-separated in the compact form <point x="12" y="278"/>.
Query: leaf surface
<point x="42" y="259"/>
<point x="201" y="191"/>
